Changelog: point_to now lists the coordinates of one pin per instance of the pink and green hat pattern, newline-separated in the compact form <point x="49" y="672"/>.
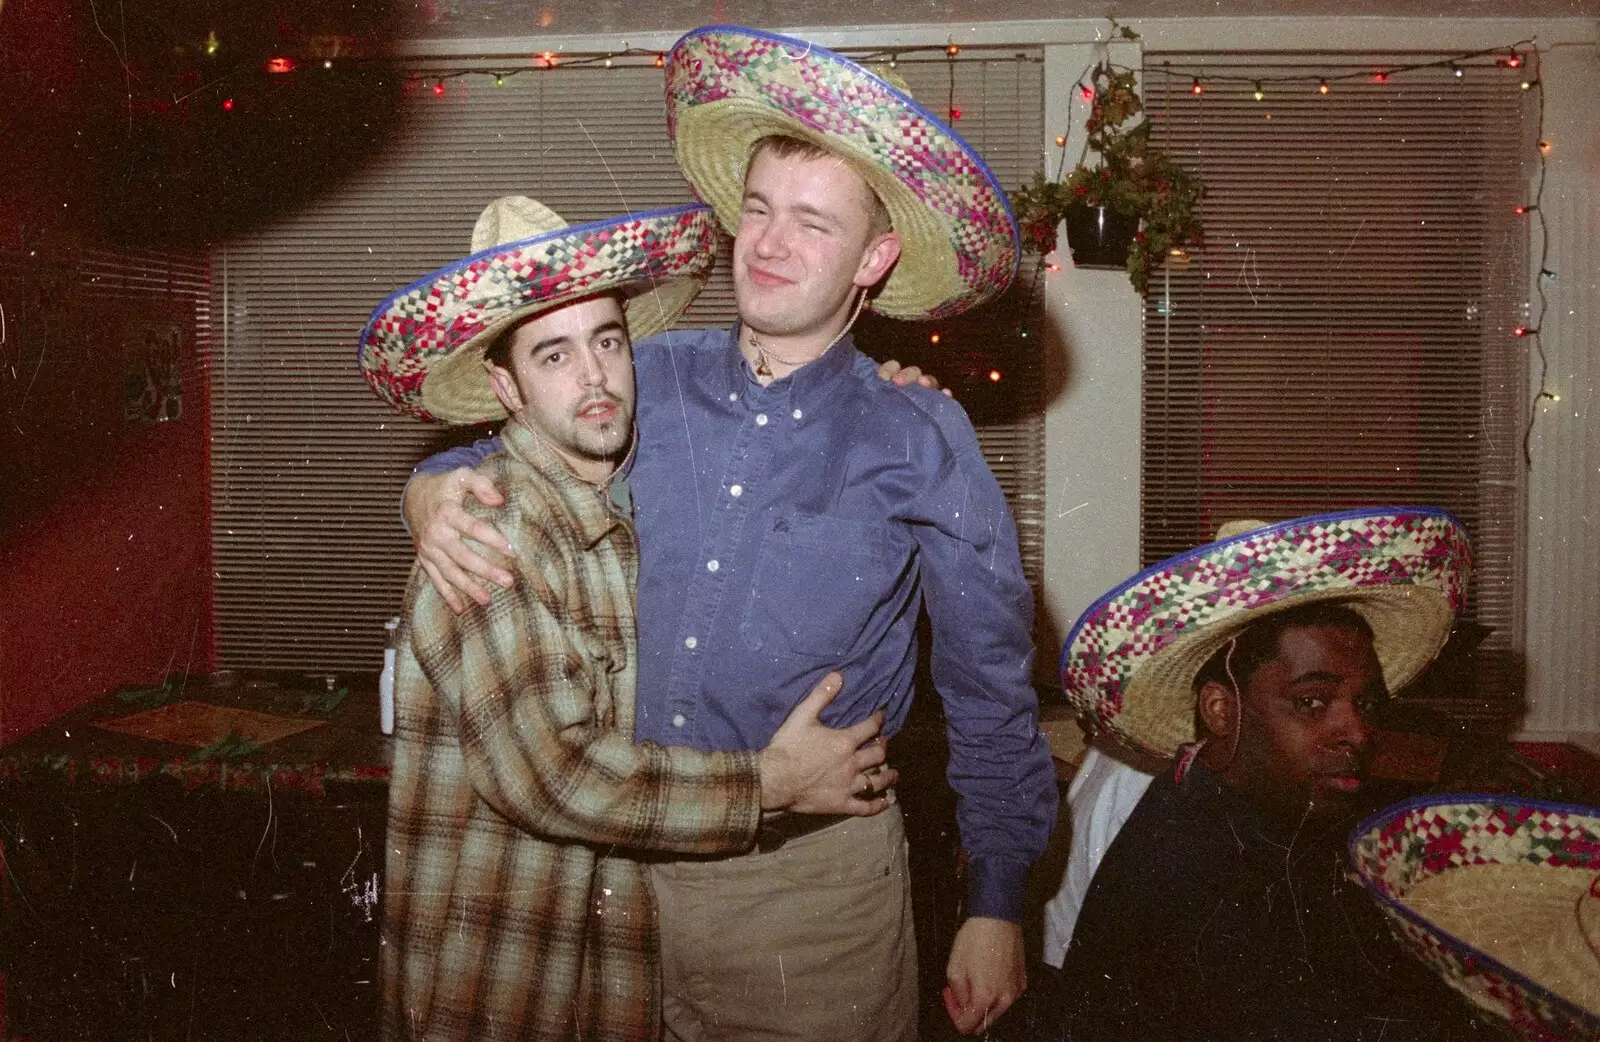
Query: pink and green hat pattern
<point x="866" y="115"/>
<point x="441" y="313"/>
<point x="1401" y="845"/>
<point x="1350" y="551"/>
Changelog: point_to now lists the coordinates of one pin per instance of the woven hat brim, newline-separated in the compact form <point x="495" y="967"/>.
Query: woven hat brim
<point x="422" y="349"/>
<point x="1441" y="839"/>
<point x="1409" y="626"/>
<point x="729" y="86"/>
<point x="1131" y="658"/>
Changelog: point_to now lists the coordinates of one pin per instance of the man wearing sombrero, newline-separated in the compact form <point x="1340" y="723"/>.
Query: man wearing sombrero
<point x="794" y="513"/>
<point x="515" y="907"/>
<point x="1223" y="907"/>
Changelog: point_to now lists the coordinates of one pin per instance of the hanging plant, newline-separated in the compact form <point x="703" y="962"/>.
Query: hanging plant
<point x="1129" y="177"/>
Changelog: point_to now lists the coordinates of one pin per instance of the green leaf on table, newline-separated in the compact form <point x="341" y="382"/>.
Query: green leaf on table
<point x="322" y="703"/>
<point x="231" y="746"/>
<point x="149" y="697"/>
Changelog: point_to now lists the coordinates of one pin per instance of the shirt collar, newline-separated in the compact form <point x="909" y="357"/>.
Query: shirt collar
<point x="806" y="387"/>
<point x="585" y="501"/>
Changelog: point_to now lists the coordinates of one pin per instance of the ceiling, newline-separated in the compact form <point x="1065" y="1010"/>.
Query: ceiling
<point x="467" y="19"/>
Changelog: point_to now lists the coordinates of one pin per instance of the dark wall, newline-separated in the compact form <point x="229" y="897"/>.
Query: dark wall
<point x="104" y="526"/>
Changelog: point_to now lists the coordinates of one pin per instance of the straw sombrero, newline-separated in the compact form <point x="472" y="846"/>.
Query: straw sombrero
<point x="728" y="87"/>
<point x="1131" y="658"/>
<point x="1501" y="897"/>
<point x="422" y="349"/>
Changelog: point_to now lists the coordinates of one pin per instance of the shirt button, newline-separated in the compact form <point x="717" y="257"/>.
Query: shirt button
<point x="736" y="491"/>
<point x="733" y="396"/>
<point x="797" y="414"/>
<point x="712" y="566"/>
<point x="690" y="643"/>
<point x="678" y="720"/>
<point x="761" y="419"/>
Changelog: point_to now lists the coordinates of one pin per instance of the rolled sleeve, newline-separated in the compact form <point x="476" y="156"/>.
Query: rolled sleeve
<point x="459" y="456"/>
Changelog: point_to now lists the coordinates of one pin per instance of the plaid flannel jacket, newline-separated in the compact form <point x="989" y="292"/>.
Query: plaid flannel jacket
<point x="513" y="908"/>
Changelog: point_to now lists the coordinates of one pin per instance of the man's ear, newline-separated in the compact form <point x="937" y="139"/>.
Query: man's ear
<point x="505" y="388"/>
<point x="878" y="259"/>
<point x="1215" y="706"/>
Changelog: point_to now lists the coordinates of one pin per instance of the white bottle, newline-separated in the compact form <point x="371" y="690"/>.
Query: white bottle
<point x="386" y="680"/>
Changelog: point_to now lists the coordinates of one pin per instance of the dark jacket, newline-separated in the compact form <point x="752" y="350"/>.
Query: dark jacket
<point x="1205" y="922"/>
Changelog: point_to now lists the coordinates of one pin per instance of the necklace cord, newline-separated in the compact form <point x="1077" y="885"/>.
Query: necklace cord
<point x="763" y="369"/>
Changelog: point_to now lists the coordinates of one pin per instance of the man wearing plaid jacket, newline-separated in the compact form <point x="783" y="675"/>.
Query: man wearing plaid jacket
<point x="517" y="906"/>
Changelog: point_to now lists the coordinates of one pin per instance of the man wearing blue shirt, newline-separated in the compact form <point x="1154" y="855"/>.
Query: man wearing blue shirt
<point x="794" y="512"/>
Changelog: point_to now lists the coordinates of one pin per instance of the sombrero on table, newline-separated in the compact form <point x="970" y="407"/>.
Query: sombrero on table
<point x="1130" y="660"/>
<point x="728" y="87"/>
<point x="422" y="349"/>
<point x="1501" y="897"/>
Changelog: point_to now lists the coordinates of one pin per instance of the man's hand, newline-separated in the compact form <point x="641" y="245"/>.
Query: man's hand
<point x="987" y="973"/>
<point x="905" y="375"/>
<point x="811" y="768"/>
<point x="434" y="506"/>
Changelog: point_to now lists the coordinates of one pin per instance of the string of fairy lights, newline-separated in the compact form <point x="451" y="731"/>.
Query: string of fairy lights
<point x="1514" y="56"/>
<point x="499" y="72"/>
<point x="1531" y="329"/>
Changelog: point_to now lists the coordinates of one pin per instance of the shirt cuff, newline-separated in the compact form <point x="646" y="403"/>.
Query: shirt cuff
<point x="995" y="886"/>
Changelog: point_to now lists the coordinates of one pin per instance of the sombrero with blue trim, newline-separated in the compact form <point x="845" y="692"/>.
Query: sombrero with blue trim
<point x="1500" y="896"/>
<point x="1130" y="660"/>
<point x="422" y="349"/>
<point x="728" y="87"/>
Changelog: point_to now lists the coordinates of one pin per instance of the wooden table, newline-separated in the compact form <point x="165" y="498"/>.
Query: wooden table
<point x="157" y="894"/>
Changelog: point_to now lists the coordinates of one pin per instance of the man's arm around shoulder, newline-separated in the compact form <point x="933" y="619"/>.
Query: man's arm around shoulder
<point x="433" y="507"/>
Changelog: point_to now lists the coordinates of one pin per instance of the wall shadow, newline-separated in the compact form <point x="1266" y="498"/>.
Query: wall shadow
<point x="168" y="123"/>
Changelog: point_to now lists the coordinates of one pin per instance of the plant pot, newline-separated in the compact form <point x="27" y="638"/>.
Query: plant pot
<point x="1099" y="236"/>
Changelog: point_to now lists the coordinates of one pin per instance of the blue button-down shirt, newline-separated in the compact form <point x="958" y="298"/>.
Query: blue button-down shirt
<point x="792" y="529"/>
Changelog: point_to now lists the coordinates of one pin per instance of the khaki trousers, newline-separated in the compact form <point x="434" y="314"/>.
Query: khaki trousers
<point x="811" y="941"/>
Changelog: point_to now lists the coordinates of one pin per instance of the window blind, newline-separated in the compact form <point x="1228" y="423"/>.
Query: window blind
<point x="140" y="314"/>
<point x="308" y="465"/>
<point x="1344" y="337"/>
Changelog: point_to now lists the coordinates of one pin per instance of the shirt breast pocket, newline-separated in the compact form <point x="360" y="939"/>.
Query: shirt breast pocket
<point x="817" y="581"/>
